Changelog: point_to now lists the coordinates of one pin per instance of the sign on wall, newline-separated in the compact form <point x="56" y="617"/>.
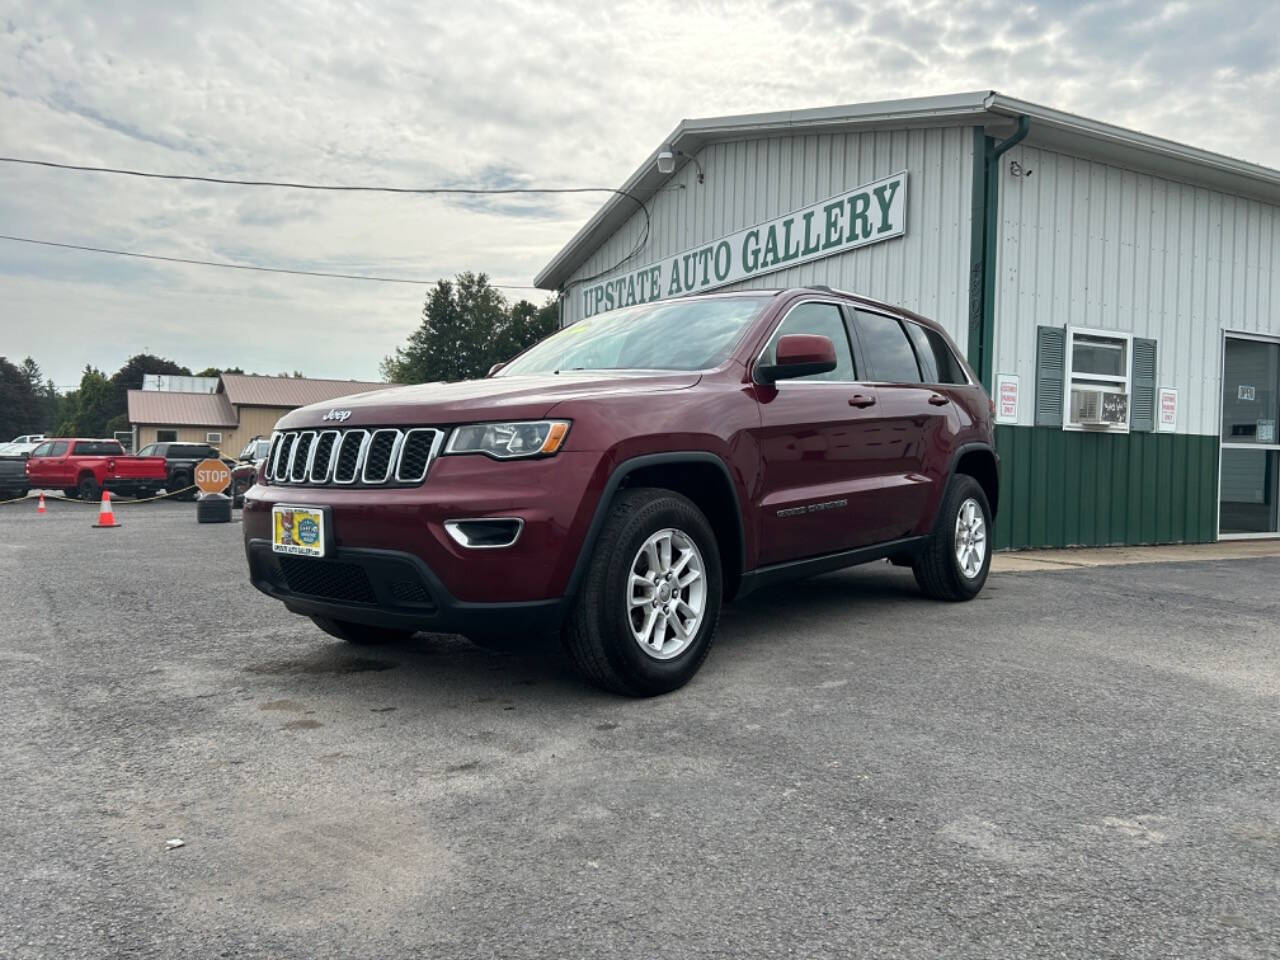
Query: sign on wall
<point x="851" y="219"/>
<point x="1168" y="419"/>
<point x="1006" y="398"/>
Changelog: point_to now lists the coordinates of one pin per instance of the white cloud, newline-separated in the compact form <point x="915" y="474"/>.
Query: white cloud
<point x="416" y="94"/>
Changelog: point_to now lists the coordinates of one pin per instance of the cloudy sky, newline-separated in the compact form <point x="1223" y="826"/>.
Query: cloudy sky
<point x="479" y="94"/>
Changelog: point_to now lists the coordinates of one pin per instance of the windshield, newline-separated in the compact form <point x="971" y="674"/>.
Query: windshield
<point x="674" y="335"/>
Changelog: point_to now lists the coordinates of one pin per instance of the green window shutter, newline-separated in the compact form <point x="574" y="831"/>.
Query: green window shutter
<point x="1142" y="405"/>
<point x="1051" y="368"/>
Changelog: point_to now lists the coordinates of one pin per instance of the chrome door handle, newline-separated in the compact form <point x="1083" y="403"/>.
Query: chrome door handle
<point x="862" y="400"/>
<point x="938" y="400"/>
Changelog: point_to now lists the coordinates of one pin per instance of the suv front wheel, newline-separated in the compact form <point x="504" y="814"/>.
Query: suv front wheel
<point x="954" y="563"/>
<point x="644" y="619"/>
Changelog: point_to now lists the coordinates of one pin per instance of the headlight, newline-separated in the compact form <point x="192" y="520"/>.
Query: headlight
<point x="507" y="441"/>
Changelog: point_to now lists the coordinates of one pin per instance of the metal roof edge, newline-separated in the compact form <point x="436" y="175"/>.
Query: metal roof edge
<point x="694" y="133"/>
<point x="1077" y="125"/>
<point x="771" y="123"/>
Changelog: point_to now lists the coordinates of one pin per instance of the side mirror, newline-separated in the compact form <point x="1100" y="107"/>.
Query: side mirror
<point x="495" y="368"/>
<point x="798" y="355"/>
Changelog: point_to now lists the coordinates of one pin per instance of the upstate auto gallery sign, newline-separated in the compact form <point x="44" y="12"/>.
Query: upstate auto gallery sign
<point x="864" y="215"/>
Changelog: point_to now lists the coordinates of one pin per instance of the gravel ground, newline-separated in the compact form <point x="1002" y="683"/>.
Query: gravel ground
<point x="1078" y="764"/>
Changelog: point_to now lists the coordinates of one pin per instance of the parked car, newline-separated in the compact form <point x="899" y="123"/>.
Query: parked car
<point x="621" y="479"/>
<point x="84" y="467"/>
<point x="244" y="473"/>
<point x="13" y="473"/>
<point x="180" y="463"/>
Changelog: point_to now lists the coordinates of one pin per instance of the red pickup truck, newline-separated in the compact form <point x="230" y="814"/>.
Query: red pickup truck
<point x="85" y="467"/>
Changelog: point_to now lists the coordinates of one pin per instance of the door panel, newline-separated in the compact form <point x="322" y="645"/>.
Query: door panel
<point x="916" y="424"/>
<point x="816" y="498"/>
<point x="818" y="495"/>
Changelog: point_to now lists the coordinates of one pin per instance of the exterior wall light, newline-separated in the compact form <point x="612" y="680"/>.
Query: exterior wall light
<point x="667" y="162"/>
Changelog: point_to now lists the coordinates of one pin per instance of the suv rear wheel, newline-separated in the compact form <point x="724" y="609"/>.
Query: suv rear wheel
<point x="955" y="562"/>
<point x="644" y="619"/>
<point x="361" y="634"/>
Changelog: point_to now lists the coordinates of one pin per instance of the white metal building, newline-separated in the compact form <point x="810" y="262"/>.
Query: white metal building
<point x="1118" y="293"/>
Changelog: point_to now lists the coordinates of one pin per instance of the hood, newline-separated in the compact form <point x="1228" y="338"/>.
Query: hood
<point x="497" y="398"/>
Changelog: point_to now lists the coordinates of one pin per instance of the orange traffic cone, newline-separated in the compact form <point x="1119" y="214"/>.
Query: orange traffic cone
<point x="40" y="505"/>
<point x="106" y="518"/>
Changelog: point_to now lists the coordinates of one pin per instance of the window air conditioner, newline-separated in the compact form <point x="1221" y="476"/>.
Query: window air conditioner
<point x="1092" y="406"/>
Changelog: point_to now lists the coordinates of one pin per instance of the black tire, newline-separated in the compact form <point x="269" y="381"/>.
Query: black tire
<point x="361" y="634"/>
<point x="180" y="481"/>
<point x="937" y="568"/>
<point x="87" y="489"/>
<point x="71" y="493"/>
<point x="598" y="634"/>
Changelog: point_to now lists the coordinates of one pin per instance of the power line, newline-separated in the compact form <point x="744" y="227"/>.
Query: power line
<point x="242" y="266"/>
<point x="360" y="188"/>
<point x="296" y="185"/>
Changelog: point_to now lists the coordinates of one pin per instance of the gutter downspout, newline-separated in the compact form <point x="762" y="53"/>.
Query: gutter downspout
<point x="983" y="239"/>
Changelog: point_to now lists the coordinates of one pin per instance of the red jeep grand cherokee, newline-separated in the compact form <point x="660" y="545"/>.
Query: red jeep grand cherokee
<point x="621" y="479"/>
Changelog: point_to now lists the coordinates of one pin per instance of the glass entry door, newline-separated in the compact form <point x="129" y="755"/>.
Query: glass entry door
<point x="1250" y="479"/>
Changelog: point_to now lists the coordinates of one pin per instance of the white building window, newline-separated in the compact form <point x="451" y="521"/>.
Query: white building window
<point x="1099" y="380"/>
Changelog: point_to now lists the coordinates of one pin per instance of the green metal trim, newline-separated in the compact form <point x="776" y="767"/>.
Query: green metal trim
<point x="1067" y="488"/>
<point x="984" y="237"/>
<point x="977" y="235"/>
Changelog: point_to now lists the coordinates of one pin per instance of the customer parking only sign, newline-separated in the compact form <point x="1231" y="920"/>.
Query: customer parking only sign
<point x="851" y="219"/>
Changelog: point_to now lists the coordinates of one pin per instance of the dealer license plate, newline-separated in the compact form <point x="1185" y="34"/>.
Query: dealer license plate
<point x="298" y="530"/>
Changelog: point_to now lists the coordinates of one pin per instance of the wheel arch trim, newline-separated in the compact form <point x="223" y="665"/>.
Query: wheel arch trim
<point x="620" y="473"/>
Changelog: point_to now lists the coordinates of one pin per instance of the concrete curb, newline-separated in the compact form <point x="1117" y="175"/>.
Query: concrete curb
<point x="1073" y="559"/>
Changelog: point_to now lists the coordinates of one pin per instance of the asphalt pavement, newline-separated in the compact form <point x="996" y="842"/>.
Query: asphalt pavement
<point x="1081" y="763"/>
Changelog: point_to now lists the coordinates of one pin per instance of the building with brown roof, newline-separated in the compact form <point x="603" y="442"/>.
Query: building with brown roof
<point x="244" y="407"/>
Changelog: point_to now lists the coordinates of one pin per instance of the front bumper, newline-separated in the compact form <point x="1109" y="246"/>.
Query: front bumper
<point x="388" y="588"/>
<point x="391" y="561"/>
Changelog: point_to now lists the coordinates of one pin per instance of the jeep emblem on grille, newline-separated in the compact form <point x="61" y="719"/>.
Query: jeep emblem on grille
<point x="337" y="415"/>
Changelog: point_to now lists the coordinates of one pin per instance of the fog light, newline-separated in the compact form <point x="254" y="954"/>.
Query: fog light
<point x="485" y="533"/>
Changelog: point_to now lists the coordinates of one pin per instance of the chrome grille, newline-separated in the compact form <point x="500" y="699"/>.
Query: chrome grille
<point x="378" y="456"/>
<point x="356" y="457"/>
<point x="301" y="456"/>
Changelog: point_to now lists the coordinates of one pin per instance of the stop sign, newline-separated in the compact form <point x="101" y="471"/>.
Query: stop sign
<point x="212" y="476"/>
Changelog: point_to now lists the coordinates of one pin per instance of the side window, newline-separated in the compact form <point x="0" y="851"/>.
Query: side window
<point x="937" y="362"/>
<point x="58" y="449"/>
<point x="148" y="451"/>
<point x="42" y="450"/>
<point x="824" y="319"/>
<point x="97" y="448"/>
<point x="924" y="353"/>
<point x="887" y="350"/>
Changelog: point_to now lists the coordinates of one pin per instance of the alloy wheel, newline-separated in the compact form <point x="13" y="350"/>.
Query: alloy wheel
<point x="666" y="593"/>
<point x="971" y="538"/>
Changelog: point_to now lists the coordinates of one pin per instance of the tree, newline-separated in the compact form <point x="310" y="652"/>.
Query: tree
<point x="129" y="377"/>
<point x="466" y="328"/>
<point x="31" y="370"/>
<point x="219" y="371"/>
<point x="19" y="404"/>
<point x="88" y="409"/>
<point x="525" y="325"/>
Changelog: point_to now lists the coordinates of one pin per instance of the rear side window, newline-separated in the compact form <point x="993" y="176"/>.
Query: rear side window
<point x="886" y="349"/>
<point x="824" y="319"/>
<point x="58" y="449"/>
<point x="937" y="362"/>
<point x="97" y="448"/>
